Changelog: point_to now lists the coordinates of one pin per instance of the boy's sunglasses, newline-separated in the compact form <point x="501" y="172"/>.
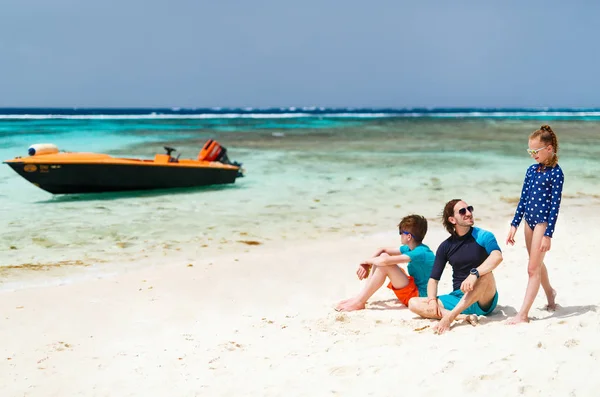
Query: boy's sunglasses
<point x="463" y="211"/>
<point x="533" y="152"/>
<point x="405" y="232"/>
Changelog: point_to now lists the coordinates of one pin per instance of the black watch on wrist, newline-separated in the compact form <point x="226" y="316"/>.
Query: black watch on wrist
<point x="475" y="272"/>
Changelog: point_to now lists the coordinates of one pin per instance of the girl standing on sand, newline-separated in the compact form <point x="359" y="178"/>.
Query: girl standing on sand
<point x="539" y="204"/>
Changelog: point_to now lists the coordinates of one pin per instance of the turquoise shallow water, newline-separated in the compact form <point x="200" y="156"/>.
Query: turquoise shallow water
<point x="307" y="178"/>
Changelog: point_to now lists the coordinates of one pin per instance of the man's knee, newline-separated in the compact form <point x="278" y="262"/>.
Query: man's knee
<point x="413" y="304"/>
<point x="421" y="307"/>
<point x="485" y="289"/>
<point x="485" y="281"/>
<point x="417" y="305"/>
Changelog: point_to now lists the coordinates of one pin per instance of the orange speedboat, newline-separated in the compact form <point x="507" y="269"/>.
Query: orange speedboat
<point x="74" y="172"/>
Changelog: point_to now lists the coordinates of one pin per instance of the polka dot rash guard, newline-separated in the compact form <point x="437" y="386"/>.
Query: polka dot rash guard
<point x="540" y="197"/>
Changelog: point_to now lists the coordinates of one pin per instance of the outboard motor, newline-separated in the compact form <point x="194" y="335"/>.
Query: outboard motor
<point x="213" y="151"/>
<point x="42" y="148"/>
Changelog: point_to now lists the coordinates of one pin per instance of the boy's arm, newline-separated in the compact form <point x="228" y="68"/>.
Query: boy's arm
<point x="389" y="250"/>
<point x="388" y="260"/>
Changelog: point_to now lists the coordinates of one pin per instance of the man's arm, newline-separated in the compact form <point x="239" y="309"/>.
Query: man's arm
<point x="432" y="300"/>
<point x="489" y="264"/>
<point x="432" y="289"/>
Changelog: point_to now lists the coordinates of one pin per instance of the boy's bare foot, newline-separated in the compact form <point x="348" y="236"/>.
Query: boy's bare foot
<point x="551" y="306"/>
<point x="340" y="303"/>
<point x="517" y="320"/>
<point x="349" y="305"/>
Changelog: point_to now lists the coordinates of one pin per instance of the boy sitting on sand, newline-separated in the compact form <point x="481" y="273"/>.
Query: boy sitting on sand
<point x="420" y="258"/>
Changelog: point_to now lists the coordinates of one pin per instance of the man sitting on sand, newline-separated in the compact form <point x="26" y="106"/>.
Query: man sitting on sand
<point x="473" y="253"/>
<point x="419" y="257"/>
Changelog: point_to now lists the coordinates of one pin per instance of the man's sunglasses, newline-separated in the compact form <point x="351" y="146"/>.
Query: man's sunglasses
<point x="463" y="211"/>
<point x="533" y="152"/>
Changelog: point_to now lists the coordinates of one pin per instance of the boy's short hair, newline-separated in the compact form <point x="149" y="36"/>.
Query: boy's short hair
<point x="415" y="225"/>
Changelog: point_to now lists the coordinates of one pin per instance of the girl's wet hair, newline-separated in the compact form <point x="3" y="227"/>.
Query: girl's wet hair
<point x="548" y="137"/>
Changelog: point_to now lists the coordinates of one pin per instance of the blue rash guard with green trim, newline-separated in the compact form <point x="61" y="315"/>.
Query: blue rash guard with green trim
<point x="463" y="253"/>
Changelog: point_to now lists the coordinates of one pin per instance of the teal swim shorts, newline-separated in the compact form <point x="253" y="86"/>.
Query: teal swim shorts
<point x="451" y="300"/>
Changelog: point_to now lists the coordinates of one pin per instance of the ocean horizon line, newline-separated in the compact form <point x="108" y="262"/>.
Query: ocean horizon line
<point x="25" y="113"/>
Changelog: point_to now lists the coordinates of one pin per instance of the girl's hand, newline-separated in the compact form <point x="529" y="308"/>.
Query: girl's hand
<point x="511" y="236"/>
<point x="546" y="243"/>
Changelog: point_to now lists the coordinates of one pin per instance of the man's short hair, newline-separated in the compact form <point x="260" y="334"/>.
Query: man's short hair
<point x="415" y="225"/>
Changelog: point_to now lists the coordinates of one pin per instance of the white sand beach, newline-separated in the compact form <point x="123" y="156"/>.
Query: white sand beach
<point x="261" y="323"/>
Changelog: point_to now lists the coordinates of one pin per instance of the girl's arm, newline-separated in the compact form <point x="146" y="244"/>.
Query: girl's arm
<point x="556" y="194"/>
<point x="520" y="211"/>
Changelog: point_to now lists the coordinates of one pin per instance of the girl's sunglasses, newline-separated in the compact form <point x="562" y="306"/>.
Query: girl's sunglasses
<point x="533" y="152"/>
<point x="463" y="211"/>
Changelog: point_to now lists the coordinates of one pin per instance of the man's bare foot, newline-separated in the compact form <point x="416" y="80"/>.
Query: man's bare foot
<point x="349" y="305"/>
<point x="551" y="306"/>
<point x="472" y="319"/>
<point x="469" y="318"/>
<point x="517" y="320"/>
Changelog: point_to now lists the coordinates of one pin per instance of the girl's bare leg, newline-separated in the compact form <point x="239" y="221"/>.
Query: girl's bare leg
<point x="533" y="240"/>
<point x="548" y="290"/>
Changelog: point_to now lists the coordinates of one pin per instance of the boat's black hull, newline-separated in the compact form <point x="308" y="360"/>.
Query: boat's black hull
<point x="98" y="178"/>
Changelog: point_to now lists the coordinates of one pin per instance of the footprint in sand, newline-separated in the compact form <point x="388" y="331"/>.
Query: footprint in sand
<point x="571" y="343"/>
<point x="61" y="346"/>
<point x="341" y="318"/>
<point x="232" y="346"/>
<point x="343" y="371"/>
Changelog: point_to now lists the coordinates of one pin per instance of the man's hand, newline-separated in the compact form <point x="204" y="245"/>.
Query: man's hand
<point x="442" y="326"/>
<point x="511" y="236"/>
<point x="363" y="271"/>
<point x="546" y="243"/>
<point x="468" y="284"/>
<point x="434" y="307"/>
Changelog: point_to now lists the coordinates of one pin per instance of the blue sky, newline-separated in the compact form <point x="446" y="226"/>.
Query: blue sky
<point x="195" y="53"/>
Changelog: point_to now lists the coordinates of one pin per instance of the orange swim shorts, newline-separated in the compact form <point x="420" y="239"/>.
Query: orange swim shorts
<point x="405" y="294"/>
